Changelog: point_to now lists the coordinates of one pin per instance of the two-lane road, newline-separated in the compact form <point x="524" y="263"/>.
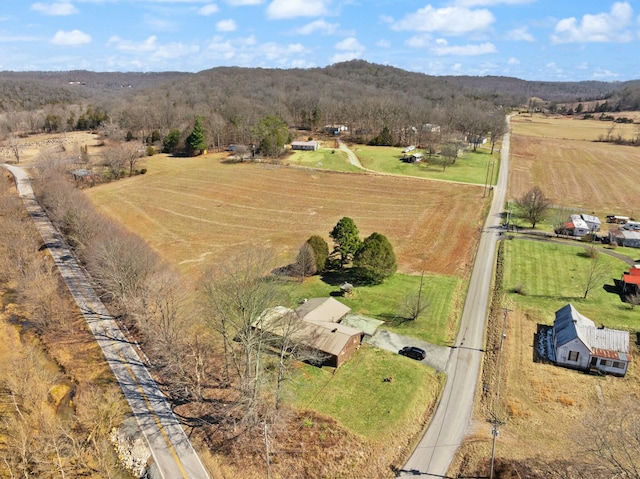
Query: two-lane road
<point x="172" y="452"/>
<point x="452" y="418"/>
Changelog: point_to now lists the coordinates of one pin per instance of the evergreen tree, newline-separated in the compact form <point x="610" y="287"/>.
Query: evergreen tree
<point x="171" y="141"/>
<point x="196" y="141"/>
<point x="272" y="133"/>
<point x="320" y="251"/>
<point x="345" y="235"/>
<point x="375" y="259"/>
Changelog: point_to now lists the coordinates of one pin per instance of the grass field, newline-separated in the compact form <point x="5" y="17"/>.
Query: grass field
<point x="561" y="157"/>
<point x="440" y="293"/>
<point x="384" y="407"/>
<point x="472" y="167"/>
<point x="192" y="210"/>
<point x="325" y="159"/>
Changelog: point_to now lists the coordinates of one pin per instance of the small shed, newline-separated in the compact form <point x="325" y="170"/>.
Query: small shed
<point x="579" y="344"/>
<point x="413" y="158"/>
<point x="305" y="145"/>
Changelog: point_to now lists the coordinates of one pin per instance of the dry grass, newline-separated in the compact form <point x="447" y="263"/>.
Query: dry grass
<point x="561" y="156"/>
<point x="192" y="210"/>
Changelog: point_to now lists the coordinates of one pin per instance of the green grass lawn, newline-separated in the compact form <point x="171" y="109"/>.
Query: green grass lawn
<point x="471" y="167"/>
<point x="553" y="275"/>
<point x="324" y="158"/>
<point x="358" y="398"/>
<point x="436" y="325"/>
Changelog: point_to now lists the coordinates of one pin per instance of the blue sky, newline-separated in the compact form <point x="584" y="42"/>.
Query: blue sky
<point x="551" y="40"/>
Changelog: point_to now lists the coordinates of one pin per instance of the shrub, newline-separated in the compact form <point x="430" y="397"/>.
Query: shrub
<point x="520" y="289"/>
<point x="151" y="151"/>
<point x="143" y="171"/>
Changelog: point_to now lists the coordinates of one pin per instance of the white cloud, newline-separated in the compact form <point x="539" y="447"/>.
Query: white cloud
<point x="452" y="20"/>
<point x="442" y="48"/>
<point x="520" y="34"/>
<point x="147" y="45"/>
<point x="602" y="73"/>
<point x="382" y="43"/>
<point x="419" y="41"/>
<point x="208" y="10"/>
<point x="320" y="26"/>
<point x="350" y="43"/>
<point x="350" y="48"/>
<point x="55" y="9"/>
<point x="601" y="27"/>
<point x="278" y="9"/>
<point x="513" y="61"/>
<point x="488" y="3"/>
<point x="74" y="37"/>
<point x="238" y="3"/>
<point x="226" y="25"/>
<point x="246" y="51"/>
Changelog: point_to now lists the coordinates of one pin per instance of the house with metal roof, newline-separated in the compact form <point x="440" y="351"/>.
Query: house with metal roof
<point x="305" y="145"/>
<point x="579" y="344"/>
<point x="621" y="237"/>
<point x="316" y="325"/>
<point x="576" y="226"/>
<point x="593" y="222"/>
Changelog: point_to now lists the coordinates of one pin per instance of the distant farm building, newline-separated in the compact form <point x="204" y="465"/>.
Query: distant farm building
<point x="305" y="145"/>
<point x="622" y="237"/>
<point x="617" y="219"/>
<point x="414" y="158"/>
<point x="335" y="129"/>
<point x="578" y="344"/>
<point x="593" y="222"/>
<point x="428" y="127"/>
<point x="315" y="325"/>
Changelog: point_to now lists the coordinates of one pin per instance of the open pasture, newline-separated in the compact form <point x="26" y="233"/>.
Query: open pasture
<point x="193" y="209"/>
<point x="471" y="167"/>
<point x="572" y="169"/>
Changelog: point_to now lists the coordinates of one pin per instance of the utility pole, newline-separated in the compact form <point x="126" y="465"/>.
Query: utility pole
<point x="495" y="424"/>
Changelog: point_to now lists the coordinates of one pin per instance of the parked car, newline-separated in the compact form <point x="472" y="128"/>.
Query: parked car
<point x="413" y="352"/>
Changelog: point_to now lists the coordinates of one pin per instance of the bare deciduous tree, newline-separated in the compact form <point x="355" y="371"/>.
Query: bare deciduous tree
<point x="597" y="273"/>
<point x="534" y="204"/>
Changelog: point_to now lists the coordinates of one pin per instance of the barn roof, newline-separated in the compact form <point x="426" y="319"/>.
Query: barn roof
<point x="570" y="324"/>
<point x="591" y="219"/>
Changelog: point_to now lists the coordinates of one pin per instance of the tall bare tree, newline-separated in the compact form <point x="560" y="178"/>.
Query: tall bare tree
<point x="534" y="204"/>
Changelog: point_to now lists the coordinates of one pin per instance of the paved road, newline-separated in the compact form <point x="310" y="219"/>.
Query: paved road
<point x="452" y="418"/>
<point x="171" y="450"/>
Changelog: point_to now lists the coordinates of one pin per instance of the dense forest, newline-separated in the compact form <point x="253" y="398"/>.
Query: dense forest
<point x="231" y="101"/>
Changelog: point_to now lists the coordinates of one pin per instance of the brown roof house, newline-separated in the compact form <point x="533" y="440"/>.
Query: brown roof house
<point x="316" y="325"/>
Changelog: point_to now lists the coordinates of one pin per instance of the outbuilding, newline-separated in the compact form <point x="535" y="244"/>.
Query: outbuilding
<point x="305" y="145"/>
<point x="621" y="237"/>
<point x="579" y="344"/>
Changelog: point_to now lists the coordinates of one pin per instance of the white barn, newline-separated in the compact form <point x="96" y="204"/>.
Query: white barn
<point x="579" y="344"/>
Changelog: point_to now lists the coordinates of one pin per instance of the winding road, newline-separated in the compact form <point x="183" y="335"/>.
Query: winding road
<point x="170" y="447"/>
<point x="452" y="418"/>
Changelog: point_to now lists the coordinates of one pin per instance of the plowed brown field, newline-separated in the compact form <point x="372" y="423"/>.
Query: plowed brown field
<point x="194" y="209"/>
<point x="562" y="158"/>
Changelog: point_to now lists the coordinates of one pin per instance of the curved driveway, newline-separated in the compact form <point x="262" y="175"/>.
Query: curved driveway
<point x="172" y="452"/>
<point x="452" y="418"/>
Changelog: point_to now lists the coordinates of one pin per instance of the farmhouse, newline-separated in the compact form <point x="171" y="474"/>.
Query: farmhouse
<point x="314" y="324"/>
<point x="579" y="344"/>
<point x="305" y="145"/>
<point x="630" y="239"/>
<point x="576" y="226"/>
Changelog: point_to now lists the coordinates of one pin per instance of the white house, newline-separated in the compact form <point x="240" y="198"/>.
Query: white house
<point x="577" y="226"/>
<point x="579" y="344"/>
<point x="305" y="145"/>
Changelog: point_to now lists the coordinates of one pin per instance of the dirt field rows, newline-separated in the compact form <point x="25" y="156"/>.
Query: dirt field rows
<point x="571" y="168"/>
<point x="193" y="209"/>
